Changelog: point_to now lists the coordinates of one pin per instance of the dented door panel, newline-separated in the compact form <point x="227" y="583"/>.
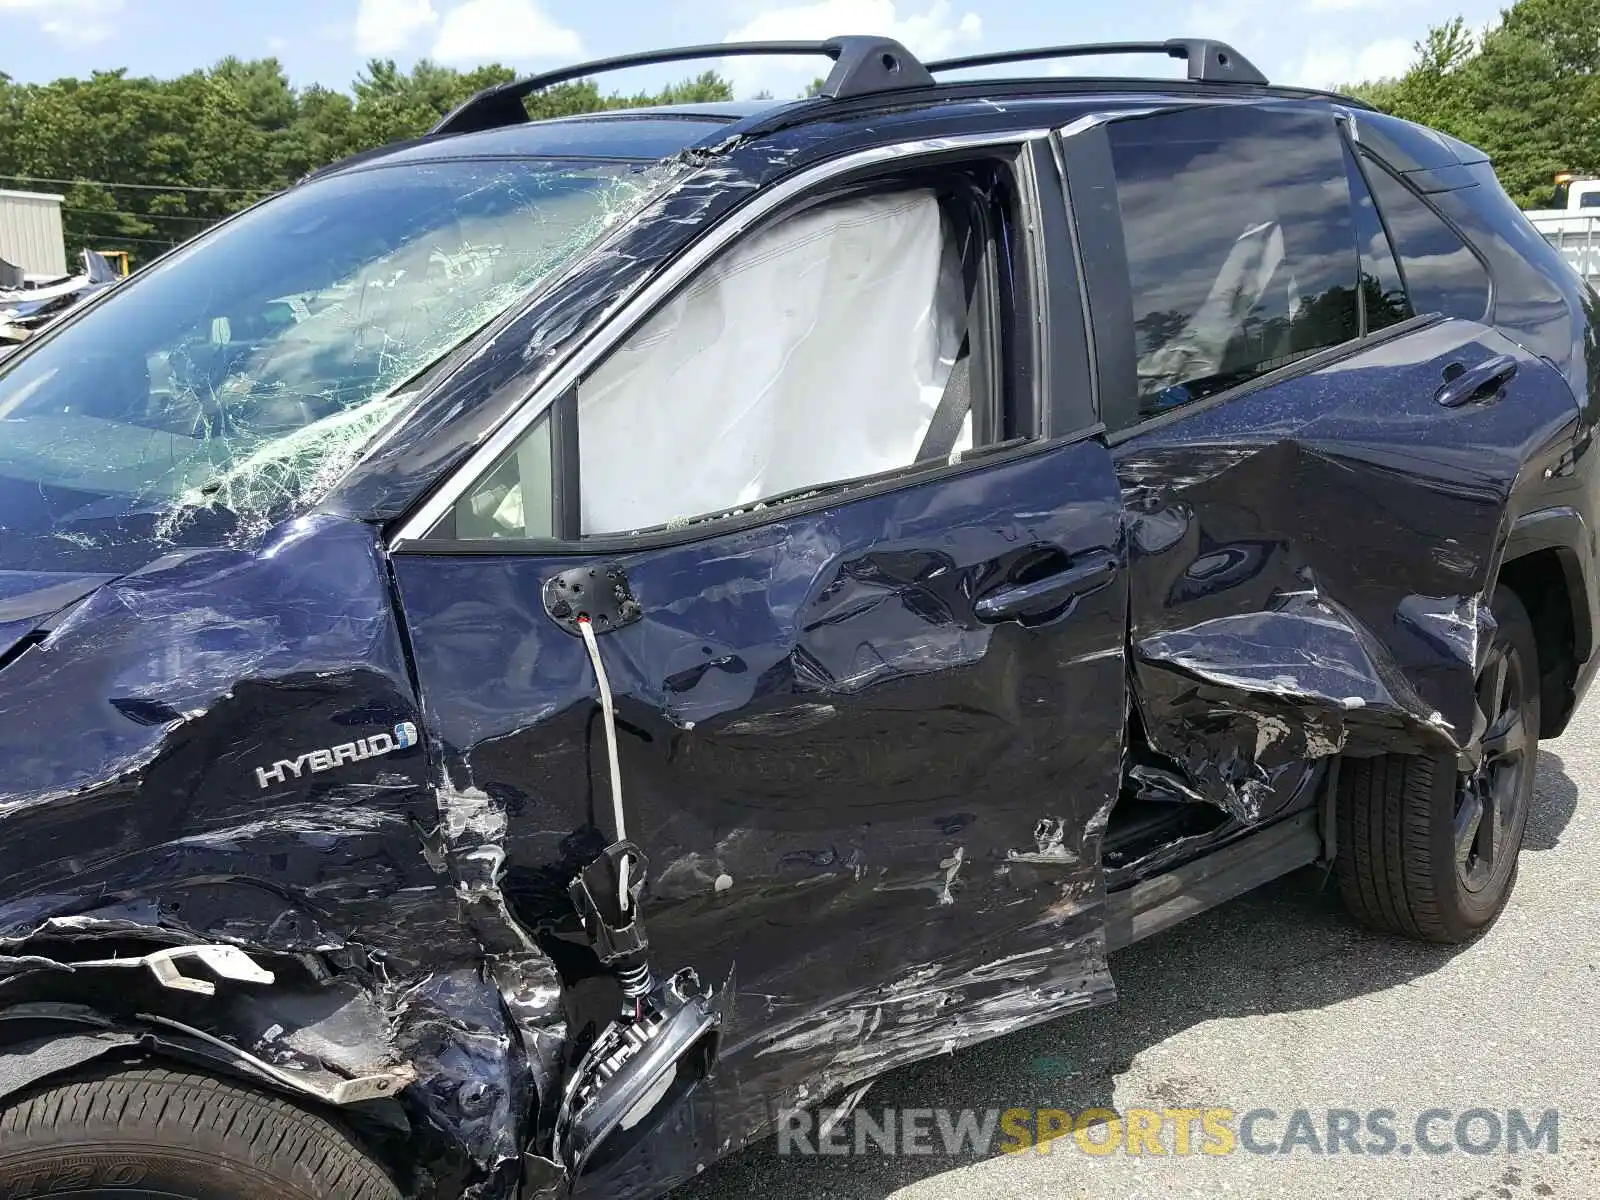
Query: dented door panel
<point x="873" y="816"/>
<point x="1311" y="561"/>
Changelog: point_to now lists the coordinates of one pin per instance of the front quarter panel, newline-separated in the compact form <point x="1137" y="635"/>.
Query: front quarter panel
<point x="171" y="773"/>
<point x="131" y="738"/>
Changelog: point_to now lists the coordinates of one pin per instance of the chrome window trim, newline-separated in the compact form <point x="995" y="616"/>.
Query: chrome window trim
<point x="619" y="324"/>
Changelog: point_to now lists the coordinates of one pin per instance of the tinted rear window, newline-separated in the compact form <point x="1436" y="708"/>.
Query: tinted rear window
<point x="1441" y="272"/>
<point x="1241" y="246"/>
<point x="1383" y="292"/>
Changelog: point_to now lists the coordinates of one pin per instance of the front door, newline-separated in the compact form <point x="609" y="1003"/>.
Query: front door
<point x="871" y="712"/>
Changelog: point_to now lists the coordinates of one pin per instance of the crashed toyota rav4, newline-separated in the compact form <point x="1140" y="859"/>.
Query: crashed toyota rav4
<point x="544" y="648"/>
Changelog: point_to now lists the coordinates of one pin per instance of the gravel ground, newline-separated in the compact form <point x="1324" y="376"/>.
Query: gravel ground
<point x="1277" y="1001"/>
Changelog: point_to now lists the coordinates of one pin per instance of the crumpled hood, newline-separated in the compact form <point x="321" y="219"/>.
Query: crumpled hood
<point x="29" y="598"/>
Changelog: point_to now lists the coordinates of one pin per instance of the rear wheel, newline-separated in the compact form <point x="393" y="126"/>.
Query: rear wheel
<point x="141" y="1133"/>
<point x="1430" y="851"/>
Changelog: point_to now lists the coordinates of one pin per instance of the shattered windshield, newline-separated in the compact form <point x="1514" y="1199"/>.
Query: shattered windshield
<point x="238" y="381"/>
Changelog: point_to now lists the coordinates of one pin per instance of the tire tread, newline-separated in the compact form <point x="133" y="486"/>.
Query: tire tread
<point x="158" y="1108"/>
<point x="1390" y="859"/>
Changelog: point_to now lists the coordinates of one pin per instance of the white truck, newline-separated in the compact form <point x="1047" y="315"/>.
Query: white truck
<point x="1575" y="229"/>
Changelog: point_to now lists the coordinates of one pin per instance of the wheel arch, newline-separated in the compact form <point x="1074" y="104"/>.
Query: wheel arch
<point x="45" y="1043"/>
<point x="1547" y="564"/>
<point x="68" y="1118"/>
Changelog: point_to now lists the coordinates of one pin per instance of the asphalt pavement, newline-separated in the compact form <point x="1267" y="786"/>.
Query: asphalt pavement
<point x="1278" y="1002"/>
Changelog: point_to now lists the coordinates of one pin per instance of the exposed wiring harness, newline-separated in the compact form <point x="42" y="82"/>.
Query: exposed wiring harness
<point x="608" y="709"/>
<point x="664" y="1038"/>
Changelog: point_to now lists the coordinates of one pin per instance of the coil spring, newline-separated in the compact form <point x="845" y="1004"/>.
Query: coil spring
<point x="636" y="981"/>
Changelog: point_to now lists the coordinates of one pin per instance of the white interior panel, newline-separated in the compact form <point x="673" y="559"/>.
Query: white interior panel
<point x="813" y="352"/>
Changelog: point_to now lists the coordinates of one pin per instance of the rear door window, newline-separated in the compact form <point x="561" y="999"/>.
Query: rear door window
<point x="1442" y="274"/>
<point x="1241" y="246"/>
<point x="1383" y="290"/>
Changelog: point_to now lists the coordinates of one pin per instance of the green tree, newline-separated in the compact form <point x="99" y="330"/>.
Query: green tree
<point x="1527" y="91"/>
<point x="162" y="159"/>
<point x="392" y="104"/>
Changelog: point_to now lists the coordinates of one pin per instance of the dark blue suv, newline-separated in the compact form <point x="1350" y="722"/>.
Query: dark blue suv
<point x="545" y="648"/>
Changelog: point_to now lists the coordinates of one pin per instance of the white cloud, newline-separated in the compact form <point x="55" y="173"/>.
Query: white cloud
<point x="84" y="21"/>
<point x="1346" y="5"/>
<point x="481" y="31"/>
<point x="1225" y="19"/>
<point x="1328" y="66"/>
<point x="389" y="26"/>
<point x="929" y="34"/>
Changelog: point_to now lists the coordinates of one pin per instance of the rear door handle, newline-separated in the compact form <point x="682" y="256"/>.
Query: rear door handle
<point x="1084" y="574"/>
<point x="1462" y="385"/>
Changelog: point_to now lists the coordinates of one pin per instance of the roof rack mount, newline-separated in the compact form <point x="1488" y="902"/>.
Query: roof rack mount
<point x="861" y="66"/>
<point x="1209" y="61"/>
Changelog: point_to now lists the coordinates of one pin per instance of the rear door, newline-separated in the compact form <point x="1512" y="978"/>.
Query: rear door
<point x="871" y="711"/>
<point x="1318" y="447"/>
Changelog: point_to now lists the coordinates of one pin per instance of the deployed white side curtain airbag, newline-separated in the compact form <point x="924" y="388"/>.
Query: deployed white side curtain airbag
<point x="813" y="352"/>
<point x="1198" y="351"/>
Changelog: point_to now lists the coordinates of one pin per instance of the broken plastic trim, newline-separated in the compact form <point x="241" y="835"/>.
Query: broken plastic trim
<point x="664" y="1041"/>
<point x="635" y="1074"/>
<point x="225" y="962"/>
<point x="597" y="595"/>
<point x="347" y="1091"/>
<point x="615" y="929"/>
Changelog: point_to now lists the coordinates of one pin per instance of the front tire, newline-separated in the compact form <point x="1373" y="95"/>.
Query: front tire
<point x="138" y="1133"/>
<point x="1426" y="850"/>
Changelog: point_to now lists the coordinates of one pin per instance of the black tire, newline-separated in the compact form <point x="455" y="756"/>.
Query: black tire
<point x="149" y="1132"/>
<point x="1402" y="819"/>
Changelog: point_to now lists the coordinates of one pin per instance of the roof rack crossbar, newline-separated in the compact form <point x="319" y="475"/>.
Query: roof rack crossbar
<point x="862" y="65"/>
<point x="1209" y="61"/>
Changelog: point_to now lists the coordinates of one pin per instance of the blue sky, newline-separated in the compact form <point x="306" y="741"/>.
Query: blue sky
<point x="1314" y="42"/>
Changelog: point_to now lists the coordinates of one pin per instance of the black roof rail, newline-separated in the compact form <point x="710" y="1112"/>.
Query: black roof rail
<point x="1209" y="61"/>
<point x="862" y="65"/>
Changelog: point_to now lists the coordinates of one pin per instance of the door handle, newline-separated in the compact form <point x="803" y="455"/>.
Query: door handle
<point x="1084" y="574"/>
<point x="1462" y="385"/>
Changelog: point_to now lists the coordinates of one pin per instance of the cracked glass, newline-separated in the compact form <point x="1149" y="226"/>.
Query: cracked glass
<point x="232" y="384"/>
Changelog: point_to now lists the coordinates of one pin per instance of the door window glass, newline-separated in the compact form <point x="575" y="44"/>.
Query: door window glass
<point x="1442" y="274"/>
<point x="815" y="352"/>
<point x="1383" y="292"/>
<point x="1240" y="243"/>
<point x="843" y="342"/>
<point x="500" y="507"/>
